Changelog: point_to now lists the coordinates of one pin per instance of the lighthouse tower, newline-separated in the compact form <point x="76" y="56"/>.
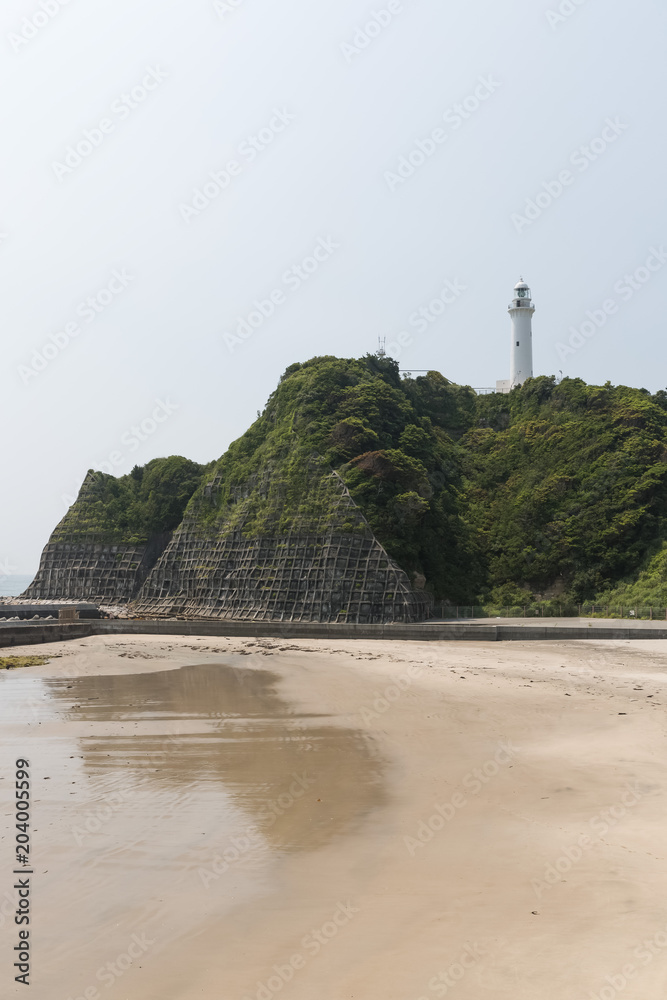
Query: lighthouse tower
<point x="521" y="311"/>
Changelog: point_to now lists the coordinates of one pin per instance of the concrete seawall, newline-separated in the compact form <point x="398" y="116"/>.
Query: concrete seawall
<point x="29" y="633"/>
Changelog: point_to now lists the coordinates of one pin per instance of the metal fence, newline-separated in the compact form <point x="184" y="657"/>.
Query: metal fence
<point x="549" y="609"/>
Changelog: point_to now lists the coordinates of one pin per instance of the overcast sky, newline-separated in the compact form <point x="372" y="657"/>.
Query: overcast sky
<point x="373" y="160"/>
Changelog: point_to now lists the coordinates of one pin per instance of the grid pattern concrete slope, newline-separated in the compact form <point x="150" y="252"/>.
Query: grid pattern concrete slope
<point x="88" y="557"/>
<point x="333" y="578"/>
<point x="275" y="546"/>
<point x="334" y="570"/>
<point x="92" y="569"/>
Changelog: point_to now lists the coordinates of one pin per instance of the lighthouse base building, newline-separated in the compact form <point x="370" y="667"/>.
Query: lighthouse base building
<point x="521" y="311"/>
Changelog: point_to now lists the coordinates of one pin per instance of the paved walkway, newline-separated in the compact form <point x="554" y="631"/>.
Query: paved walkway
<point x="557" y="622"/>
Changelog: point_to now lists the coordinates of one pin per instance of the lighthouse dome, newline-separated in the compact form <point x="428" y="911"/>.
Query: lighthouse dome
<point x="520" y="284"/>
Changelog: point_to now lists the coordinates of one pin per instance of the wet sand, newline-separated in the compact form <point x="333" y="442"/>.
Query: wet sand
<point x="228" y="818"/>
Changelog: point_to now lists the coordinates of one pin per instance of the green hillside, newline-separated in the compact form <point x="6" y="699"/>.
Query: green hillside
<point x="392" y="442"/>
<point x="646" y="589"/>
<point x="552" y="491"/>
<point x="131" y="509"/>
<point x="567" y="486"/>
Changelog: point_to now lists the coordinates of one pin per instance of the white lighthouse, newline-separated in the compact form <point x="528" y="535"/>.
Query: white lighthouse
<point x="521" y="311"/>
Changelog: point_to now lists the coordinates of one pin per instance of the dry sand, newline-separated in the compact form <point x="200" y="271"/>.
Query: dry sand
<point x="451" y="819"/>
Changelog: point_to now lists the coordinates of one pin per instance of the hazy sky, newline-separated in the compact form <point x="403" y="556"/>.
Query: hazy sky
<point x="366" y="154"/>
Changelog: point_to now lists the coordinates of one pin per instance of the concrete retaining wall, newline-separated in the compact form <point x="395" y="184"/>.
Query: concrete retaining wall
<point x="29" y="633"/>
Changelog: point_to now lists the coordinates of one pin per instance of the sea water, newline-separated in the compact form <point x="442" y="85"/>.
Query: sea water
<point x="12" y="586"/>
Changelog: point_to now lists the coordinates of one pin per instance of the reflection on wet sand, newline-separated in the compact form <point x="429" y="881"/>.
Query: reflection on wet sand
<point x="207" y="727"/>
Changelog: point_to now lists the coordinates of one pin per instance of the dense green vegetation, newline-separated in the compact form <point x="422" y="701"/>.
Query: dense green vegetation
<point x="148" y="501"/>
<point x="647" y="589"/>
<point x="567" y="487"/>
<point x="554" y="491"/>
<point x="391" y="442"/>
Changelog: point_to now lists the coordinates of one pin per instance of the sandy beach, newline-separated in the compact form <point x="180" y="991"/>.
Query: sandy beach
<point x="227" y="818"/>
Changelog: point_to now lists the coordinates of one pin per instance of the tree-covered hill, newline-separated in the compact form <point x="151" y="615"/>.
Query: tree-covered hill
<point x="391" y="441"/>
<point x="648" y="588"/>
<point x="566" y="487"/>
<point x="149" y="501"/>
<point x="555" y="490"/>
